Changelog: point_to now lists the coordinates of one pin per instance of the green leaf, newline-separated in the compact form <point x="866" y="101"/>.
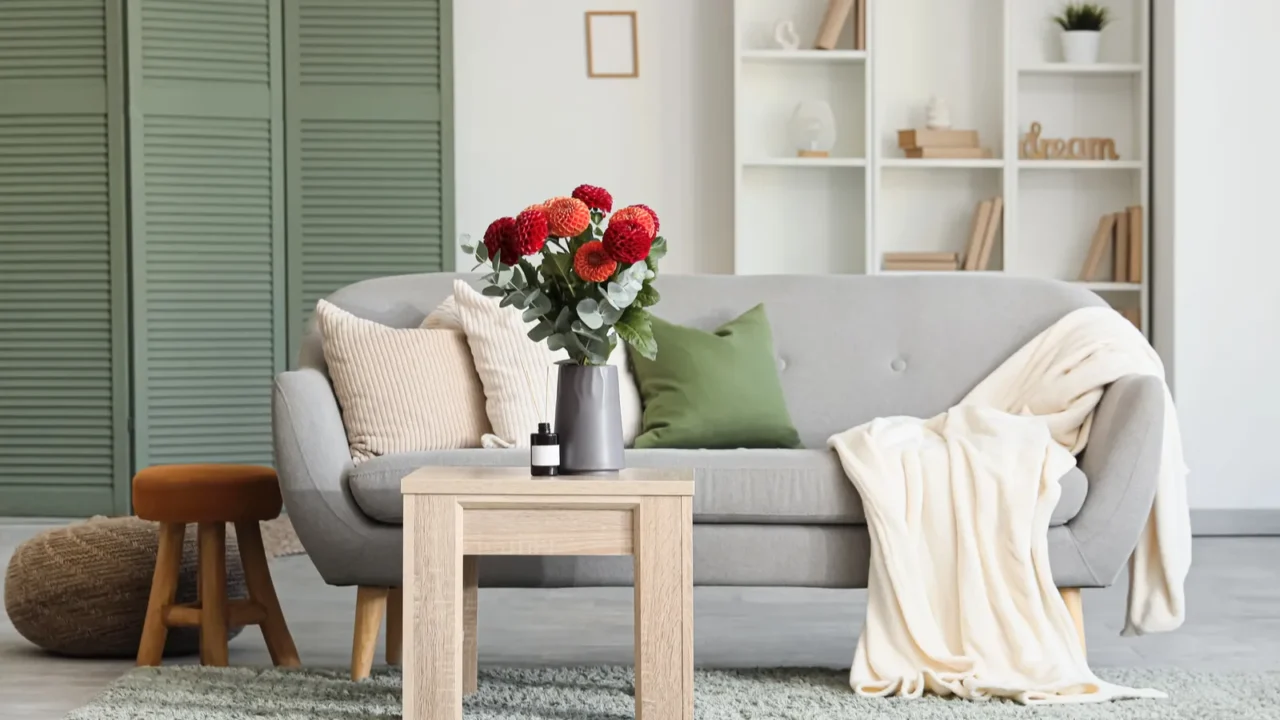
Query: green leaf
<point x="589" y="313"/>
<point x="493" y="291"/>
<point x="557" y="341"/>
<point x="647" y="297"/>
<point x="659" y="248"/>
<point x="517" y="277"/>
<point x="543" y="330"/>
<point x="505" y="275"/>
<point x="636" y="330"/>
<point x="609" y="313"/>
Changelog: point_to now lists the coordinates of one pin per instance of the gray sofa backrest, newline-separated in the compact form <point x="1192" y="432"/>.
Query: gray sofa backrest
<point x="850" y="347"/>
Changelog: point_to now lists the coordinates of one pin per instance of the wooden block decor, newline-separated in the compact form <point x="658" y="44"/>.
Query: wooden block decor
<point x="947" y="153"/>
<point x="921" y="261"/>
<point x="933" y="139"/>
<point x="1033" y="147"/>
<point x="1120" y="254"/>
<point x="1098" y="248"/>
<point x="829" y="32"/>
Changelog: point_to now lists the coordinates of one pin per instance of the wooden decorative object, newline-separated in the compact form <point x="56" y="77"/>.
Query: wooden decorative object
<point x="1098" y="248"/>
<point x="976" y="234"/>
<point x="812" y="153"/>
<point x="1133" y="315"/>
<point x="933" y="139"/>
<point x="1135" y="243"/>
<point x="948" y="153"/>
<point x="832" y="22"/>
<point x="860" y="26"/>
<point x="1033" y="147"/>
<point x="606" y="55"/>
<point x="1120" y="249"/>
<point x="989" y="235"/>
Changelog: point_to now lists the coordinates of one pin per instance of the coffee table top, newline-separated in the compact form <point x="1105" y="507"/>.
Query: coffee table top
<point x="640" y="482"/>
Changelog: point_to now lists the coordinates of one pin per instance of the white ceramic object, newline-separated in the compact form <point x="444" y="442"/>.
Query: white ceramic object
<point x="813" y="127"/>
<point x="1080" y="47"/>
<point x="938" y="114"/>
<point x="784" y="33"/>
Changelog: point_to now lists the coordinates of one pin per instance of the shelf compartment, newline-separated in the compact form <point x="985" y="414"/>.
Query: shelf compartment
<point x="805" y="56"/>
<point x="1072" y="69"/>
<point x="940" y="163"/>
<point x="795" y="221"/>
<point x="827" y="162"/>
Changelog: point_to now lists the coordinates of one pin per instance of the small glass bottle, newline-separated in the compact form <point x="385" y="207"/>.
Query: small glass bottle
<point x="544" y="452"/>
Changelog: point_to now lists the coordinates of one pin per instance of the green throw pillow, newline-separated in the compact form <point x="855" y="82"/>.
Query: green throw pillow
<point x="714" y="390"/>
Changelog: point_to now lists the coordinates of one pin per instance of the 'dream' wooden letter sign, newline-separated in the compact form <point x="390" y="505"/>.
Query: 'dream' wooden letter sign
<point x="1034" y="148"/>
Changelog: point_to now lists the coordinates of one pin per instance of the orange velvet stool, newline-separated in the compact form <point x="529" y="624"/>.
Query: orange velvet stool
<point x="211" y="496"/>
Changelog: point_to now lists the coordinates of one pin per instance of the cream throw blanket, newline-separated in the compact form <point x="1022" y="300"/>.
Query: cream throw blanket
<point x="961" y="599"/>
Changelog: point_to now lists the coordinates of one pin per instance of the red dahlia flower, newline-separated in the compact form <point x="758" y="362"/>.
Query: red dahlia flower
<point x="530" y="232"/>
<point x="500" y="237"/>
<point x="627" y="241"/>
<point x="567" y="217"/>
<point x="596" y="198"/>
<point x="639" y="214"/>
<point x="592" y="263"/>
<point x="656" y="225"/>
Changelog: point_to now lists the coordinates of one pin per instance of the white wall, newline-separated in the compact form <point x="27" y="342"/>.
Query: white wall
<point x="1218" y="249"/>
<point x="530" y="125"/>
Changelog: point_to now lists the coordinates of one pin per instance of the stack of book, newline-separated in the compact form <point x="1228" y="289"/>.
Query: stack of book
<point x="838" y="12"/>
<point x="1122" y="233"/>
<point x="941" y="144"/>
<point x="982" y="235"/>
<point x="921" y="261"/>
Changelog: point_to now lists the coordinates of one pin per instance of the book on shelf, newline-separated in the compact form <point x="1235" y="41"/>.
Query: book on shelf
<point x="989" y="234"/>
<point x="948" y="153"/>
<point x="919" y="266"/>
<point x="1120" y="249"/>
<point x="916" y="139"/>
<point x="1133" y="315"/>
<point x="833" y="21"/>
<point x="1098" y="247"/>
<point x="911" y="256"/>
<point x="1134" y="218"/>
<point x="860" y="25"/>
<point x="977" y="233"/>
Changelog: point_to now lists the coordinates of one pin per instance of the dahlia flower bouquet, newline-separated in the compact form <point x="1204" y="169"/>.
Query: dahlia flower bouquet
<point x="582" y="276"/>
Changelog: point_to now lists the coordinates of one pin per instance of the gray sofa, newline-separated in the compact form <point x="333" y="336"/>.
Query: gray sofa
<point x="850" y="348"/>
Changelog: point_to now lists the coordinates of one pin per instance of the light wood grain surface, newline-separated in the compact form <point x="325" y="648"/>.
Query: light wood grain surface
<point x="518" y="481"/>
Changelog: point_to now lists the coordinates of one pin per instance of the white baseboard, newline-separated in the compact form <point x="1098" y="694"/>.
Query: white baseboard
<point x="1235" y="522"/>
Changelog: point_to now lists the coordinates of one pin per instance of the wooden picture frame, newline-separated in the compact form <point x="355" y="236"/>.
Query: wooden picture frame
<point x="604" y="58"/>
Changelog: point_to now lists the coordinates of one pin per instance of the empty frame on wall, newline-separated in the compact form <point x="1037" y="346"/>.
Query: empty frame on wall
<point x="613" y="50"/>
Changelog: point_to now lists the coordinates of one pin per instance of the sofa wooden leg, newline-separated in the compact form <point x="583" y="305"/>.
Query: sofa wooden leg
<point x="395" y="620"/>
<point x="371" y="604"/>
<point x="1071" y="596"/>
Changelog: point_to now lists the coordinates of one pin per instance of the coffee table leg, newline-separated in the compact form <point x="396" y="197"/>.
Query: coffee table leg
<point x="664" y="623"/>
<point x="433" y="665"/>
<point x="470" y="613"/>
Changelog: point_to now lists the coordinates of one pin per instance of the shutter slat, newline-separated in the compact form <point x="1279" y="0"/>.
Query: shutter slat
<point x="53" y="39"/>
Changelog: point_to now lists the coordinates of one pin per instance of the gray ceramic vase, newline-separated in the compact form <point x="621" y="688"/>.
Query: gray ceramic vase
<point x="589" y="419"/>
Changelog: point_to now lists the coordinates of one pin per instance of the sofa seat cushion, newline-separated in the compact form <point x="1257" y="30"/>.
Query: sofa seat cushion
<point x="775" y="487"/>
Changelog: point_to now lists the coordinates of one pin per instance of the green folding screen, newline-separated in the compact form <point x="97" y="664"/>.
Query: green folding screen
<point x="368" y="106"/>
<point x="63" y="332"/>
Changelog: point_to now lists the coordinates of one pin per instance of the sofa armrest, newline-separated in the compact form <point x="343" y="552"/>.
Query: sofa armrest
<point x="1122" y="464"/>
<point x="312" y="460"/>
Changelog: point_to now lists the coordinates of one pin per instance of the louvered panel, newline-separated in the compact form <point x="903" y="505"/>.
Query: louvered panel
<point x="208" y="291"/>
<point x="371" y="202"/>
<point x="373" y="42"/>
<point x="56" y="361"/>
<point x="219" y="40"/>
<point x="52" y="39"/>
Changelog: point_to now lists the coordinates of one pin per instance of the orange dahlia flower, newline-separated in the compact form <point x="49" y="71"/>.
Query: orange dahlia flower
<point x="567" y="217"/>
<point x="639" y="214"/>
<point x="592" y="263"/>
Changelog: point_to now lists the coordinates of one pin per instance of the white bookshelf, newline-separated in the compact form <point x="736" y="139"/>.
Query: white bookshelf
<point x="996" y="63"/>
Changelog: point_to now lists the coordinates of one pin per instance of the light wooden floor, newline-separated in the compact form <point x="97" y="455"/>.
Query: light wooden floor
<point x="1234" y="600"/>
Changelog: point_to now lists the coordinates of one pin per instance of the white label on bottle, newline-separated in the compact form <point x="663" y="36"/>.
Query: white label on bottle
<point x="545" y="455"/>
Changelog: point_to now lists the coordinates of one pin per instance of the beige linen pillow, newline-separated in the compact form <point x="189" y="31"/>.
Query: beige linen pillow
<point x="401" y="390"/>
<point x="517" y="373"/>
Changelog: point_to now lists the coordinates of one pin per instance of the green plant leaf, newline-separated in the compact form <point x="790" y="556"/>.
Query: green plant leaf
<point x="589" y="313"/>
<point x="636" y="330"/>
<point x="619" y="295"/>
<point x="493" y="291"/>
<point x="557" y="341"/>
<point x="609" y="312"/>
<point x="647" y="297"/>
<point x="543" y="330"/>
<point x="659" y="248"/>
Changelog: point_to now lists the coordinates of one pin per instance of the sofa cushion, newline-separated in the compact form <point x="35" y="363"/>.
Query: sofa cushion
<point x="786" y="487"/>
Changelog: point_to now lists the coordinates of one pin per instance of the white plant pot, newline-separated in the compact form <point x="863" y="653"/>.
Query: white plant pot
<point x="1080" y="47"/>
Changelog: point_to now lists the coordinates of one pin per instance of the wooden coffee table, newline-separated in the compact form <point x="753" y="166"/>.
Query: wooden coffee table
<point x="454" y="515"/>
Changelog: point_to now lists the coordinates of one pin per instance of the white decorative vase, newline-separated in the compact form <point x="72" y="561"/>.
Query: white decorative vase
<point x="1080" y="47"/>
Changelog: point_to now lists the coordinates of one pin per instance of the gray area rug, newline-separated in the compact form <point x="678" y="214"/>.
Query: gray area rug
<point x="605" y="693"/>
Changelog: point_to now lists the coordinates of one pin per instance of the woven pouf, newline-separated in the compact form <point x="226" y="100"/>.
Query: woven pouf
<point x="82" y="590"/>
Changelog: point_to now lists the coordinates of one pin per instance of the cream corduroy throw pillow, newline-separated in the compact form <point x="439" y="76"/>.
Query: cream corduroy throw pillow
<point x="401" y="390"/>
<point x="517" y="373"/>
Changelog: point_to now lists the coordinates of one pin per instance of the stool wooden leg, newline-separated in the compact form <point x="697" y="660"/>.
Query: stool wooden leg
<point x="164" y="583"/>
<point x="395" y="625"/>
<point x="263" y="592"/>
<point x="213" y="594"/>
<point x="371" y="603"/>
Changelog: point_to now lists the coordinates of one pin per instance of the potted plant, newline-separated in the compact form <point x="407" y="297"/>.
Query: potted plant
<point x="1082" y="25"/>
<point x="583" y="279"/>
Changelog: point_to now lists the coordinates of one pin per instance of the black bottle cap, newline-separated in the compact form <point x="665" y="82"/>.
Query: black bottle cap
<point x="544" y="428"/>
